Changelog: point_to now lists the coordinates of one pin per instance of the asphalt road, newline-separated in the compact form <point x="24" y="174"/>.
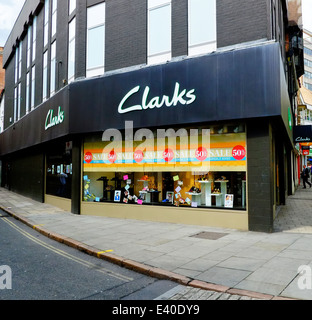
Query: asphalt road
<point x="43" y="269"/>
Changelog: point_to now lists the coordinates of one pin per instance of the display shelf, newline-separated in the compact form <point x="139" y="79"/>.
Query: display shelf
<point x="194" y="193"/>
<point x="206" y="192"/>
<point x="218" y="199"/>
<point x="154" y="195"/>
<point x="223" y="190"/>
<point x="196" y="197"/>
<point x="147" y="198"/>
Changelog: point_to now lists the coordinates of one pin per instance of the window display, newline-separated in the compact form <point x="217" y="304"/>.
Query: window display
<point x="160" y="188"/>
<point x="116" y="176"/>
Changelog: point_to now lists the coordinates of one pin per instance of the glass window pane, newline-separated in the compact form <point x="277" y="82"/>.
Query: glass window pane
<point x="202" y="21"/>
<point x="71" y="59"/>
<point x="53" y="67"/>
<point x="45" y="75"/>
<point x="27" y="91"/>
<point x="72" y="29"/>
<point x="53" y="31"/>
<point x="160" y="30"/>
<point x="54" y="5"/>
<point x="72" y="6"/>
<point x="95" y="54"/>
<point x="33" y="76"/>
<point x="96" y="15"/>
<point x="71" y="49"/>
<point x="46" y="29"/>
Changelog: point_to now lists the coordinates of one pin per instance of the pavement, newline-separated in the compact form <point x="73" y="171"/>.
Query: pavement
<point x="206" y="262"/>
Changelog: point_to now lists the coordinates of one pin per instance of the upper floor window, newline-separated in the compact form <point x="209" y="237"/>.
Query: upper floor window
<point x="71" y="49"/>
<point x="15" y="105"/>
<point x="308" y="75"/>
<point x="27" y="91"/>
<point x="202" y="26"/>
<point x="46" y="23"/>
<point x="19" y="101"/>
<point x="307" y="51"/>
<point x="20" y="50"/>
<point x="32" y="94"/>
<point x="53" y="68"/>
<point x="54" y="15"/>
<point x="34" y="38"/>
<point x="16" y="64"/>
<point x="308" y="85"/>
<point x="45" y="76"/>
<point x="28" y="46"/>
<point x="159" y="31"/>
<point x="95" y="40"/>
<point x="72" y="6"/>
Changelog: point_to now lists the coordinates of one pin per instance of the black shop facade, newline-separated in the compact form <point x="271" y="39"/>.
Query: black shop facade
<point x="201" y="141"/>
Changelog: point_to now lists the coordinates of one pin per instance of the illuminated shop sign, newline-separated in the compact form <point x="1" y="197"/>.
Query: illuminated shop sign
<point x="182" y="97"/>
<point x="53" y="120"/>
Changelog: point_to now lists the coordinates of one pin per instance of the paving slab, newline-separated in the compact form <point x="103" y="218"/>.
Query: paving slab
<point x="224" y="276"/>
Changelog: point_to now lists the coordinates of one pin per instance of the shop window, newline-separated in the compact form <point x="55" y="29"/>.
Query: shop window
<point x="157" y="178"/>
<point x="185" y="189"/>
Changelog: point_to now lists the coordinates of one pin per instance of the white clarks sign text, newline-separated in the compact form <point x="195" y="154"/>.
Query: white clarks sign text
<point x="52" y="120"/>
<point x="182" y="97"/>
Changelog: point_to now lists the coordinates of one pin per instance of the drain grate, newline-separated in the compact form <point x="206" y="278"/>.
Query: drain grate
<point x="209" y="235"/>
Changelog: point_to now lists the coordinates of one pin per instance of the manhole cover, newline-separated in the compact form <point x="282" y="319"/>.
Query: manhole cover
<point x="209" y="235"/>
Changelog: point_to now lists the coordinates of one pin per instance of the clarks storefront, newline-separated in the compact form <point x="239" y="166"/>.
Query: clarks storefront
<point x="192" y="141"/>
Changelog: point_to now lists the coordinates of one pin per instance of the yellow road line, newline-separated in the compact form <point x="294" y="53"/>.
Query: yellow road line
<point x="65" y="254"/>
<point x="37" y="225"/>
<point x="105" y="251"/>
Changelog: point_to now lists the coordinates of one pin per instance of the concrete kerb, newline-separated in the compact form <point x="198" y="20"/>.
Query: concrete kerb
<point x="140" y="267"/>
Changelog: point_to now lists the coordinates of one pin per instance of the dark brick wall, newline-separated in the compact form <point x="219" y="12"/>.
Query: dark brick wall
<point x="260" y="173"/>
<point x="241" y="21"/>
<point x="179" y="28"/>
<point x="126" y="41"/>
